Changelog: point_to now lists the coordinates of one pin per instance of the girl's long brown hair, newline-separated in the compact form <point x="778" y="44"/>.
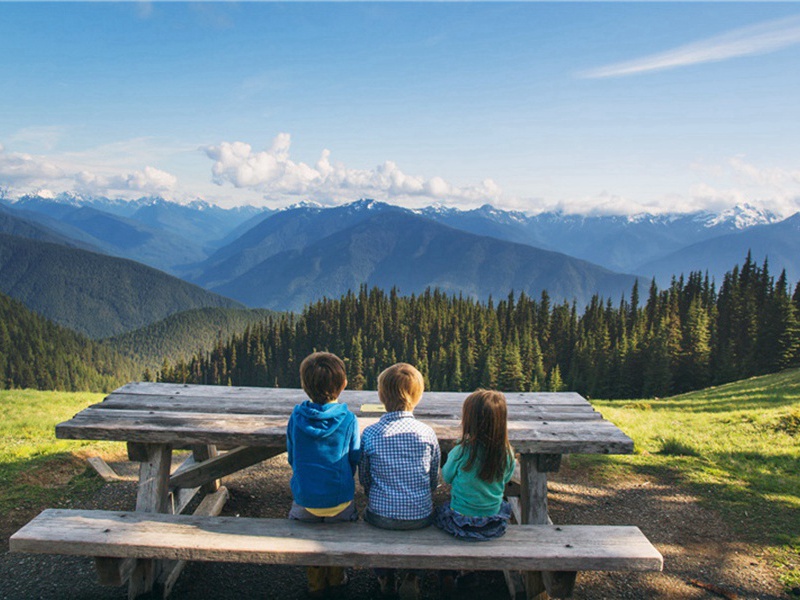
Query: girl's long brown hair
<point x="484" y="427"/>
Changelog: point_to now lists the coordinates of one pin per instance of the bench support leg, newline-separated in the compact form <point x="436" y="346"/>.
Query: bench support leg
<point x="153" y="496"/>
<point x="559" y="584"/>
<point x="210" y="506"/>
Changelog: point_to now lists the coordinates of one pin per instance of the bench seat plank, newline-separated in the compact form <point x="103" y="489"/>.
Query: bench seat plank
<point x="280" y="541"/>
<point x="159" y="427"/>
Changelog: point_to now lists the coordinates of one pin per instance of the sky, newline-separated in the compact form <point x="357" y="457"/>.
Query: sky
<point x="592" y="108"/>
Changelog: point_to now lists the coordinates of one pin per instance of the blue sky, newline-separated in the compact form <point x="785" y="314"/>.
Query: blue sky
<point x="597" y="107"/>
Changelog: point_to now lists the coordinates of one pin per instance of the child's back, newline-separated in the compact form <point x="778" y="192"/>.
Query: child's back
<point x="478" y="469"/>
<point x="323" y="444"/>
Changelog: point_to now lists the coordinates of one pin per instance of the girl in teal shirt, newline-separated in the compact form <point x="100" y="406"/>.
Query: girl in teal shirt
<point x="478" y="469"/>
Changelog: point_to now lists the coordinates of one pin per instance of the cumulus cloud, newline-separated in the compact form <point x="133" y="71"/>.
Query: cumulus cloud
<point x="273" y="172"/>
<point x="149" y="181"/>
<point x="756" y="39"/>
<point x="18" y="168"/>
<point x="25" y="173"/>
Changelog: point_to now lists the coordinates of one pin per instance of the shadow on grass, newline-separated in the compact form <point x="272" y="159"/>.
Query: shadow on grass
<point x="29" y="485"/>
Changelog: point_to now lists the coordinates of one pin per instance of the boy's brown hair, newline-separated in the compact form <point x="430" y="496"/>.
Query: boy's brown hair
<point x="400" y="387"/>
<point x="323" y="377"/>
<point x="484" y="434"/>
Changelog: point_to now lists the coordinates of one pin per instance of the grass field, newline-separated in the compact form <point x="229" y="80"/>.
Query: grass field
<point x="36" y="469"/>
<point x="736" y="447"/>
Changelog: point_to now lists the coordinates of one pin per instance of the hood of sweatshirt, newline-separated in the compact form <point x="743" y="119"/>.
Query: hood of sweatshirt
<point x="320" y="420"/>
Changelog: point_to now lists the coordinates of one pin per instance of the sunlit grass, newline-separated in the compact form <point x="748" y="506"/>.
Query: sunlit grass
<point x="736" y="446"/>
<point x="36" y="469"/>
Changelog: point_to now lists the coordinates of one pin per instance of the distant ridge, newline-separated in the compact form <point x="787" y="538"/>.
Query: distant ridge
<point x="182" y="334"/>
<point x="397" y="248"/>
<point x="92" y="293"/>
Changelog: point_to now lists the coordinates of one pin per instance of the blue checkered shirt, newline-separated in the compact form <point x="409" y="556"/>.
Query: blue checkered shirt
<point x="399" y="466"/>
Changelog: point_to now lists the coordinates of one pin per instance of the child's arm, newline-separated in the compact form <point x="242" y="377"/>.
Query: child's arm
<point x="364" y="475"/>
<point x="451" y="466"/>
<point x="289" y="443"/>
<point x="354" y="452"/>
<point x="435" y="460"/>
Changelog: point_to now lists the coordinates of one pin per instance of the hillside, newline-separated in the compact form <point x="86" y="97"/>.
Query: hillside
<point x="393" y="248"/>
<point x="36" y="353"/>
<point x="91" y="293"/>
<point x="180" y="335"/>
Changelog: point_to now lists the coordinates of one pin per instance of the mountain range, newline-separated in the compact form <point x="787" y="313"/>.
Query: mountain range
<point x="287" y="258"/>
<point x="92" y="293"/>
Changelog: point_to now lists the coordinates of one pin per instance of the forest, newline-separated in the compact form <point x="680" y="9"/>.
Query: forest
<point x="678" y="339"/>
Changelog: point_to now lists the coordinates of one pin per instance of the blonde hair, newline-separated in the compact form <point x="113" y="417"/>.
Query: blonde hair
<point x="400" y="387"/>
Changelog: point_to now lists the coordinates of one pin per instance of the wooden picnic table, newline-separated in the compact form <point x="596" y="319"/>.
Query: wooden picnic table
<point x="155" y="418"/>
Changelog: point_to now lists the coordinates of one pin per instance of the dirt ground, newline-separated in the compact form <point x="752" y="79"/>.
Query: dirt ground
<point x="701" y="558"/>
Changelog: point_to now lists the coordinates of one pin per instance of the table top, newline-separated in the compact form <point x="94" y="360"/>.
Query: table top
<point x="183" y="414"/>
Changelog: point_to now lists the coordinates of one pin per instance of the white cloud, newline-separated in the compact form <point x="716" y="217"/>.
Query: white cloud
<point x="273" y="173"/>
<point x="26" y="173"/>
<point x="149" y="181"/>
<point x="756" y="39"/>
<point x="19" y="168"/>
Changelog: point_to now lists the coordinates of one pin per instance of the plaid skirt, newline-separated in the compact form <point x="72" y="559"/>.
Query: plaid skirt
<point x="476" y="529"/>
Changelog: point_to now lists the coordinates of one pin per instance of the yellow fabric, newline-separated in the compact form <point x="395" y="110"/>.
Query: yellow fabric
<point x="328" y="512"/>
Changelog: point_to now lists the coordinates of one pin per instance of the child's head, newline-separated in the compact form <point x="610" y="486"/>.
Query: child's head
<point x="400" y="387"/>
<point x="323" y="377"/>
<point x="484" y="428"/>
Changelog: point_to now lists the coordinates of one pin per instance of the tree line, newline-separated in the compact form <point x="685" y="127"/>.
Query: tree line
<point x="36" y="353"/>
<point x="685" y="337"/>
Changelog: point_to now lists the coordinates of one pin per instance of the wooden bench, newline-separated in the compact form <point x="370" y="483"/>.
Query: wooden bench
<point x="137" y="535"/>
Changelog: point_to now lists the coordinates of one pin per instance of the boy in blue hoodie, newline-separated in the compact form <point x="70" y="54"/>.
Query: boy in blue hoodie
<point x="323" y="444"/>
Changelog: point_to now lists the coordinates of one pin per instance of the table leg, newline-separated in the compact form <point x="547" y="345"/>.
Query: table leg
<point x="533" y="500"/>
<point x="152" y="496"/>
<point x="533" y="497"/>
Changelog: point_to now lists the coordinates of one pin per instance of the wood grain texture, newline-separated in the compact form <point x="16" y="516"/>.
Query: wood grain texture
<point x="281" y="541"/>
<point x="210" y="506"/>
<point x="250" y="406"/>
<point x="180" y="428"/>
<point x="294" y="395"/>
<point x="223" y="464"/>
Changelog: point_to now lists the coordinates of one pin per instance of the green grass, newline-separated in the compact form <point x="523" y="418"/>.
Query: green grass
<point x="36" y="469"/>
<point x="735" y="446"/>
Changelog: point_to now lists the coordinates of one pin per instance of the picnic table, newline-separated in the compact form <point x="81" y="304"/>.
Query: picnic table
<point x="231" y="428"/>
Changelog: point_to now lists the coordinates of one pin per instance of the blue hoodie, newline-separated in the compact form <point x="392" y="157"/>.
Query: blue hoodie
<point x="324" y="448"/>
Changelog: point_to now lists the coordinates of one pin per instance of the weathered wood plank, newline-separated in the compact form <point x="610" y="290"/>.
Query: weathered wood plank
<point x="533" y="505"/>
<point x="281" y="541"/>
<point x="223" y="464"/>
<point x="210" y="506"/>
<point x="152" y="497"/>
<point x="545" y="437"/>
<point x="348" y="396"/>
<point x="202" y="453"/>
<point x="256" y="407"/>
<point x="102" y="468"/>
<point x="113" y="571"/>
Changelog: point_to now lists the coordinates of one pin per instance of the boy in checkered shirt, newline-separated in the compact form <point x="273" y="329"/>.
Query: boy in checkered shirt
<point x="399" y="467"/>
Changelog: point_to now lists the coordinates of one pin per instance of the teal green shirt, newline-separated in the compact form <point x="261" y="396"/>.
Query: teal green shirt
<point x="472" y="496"/>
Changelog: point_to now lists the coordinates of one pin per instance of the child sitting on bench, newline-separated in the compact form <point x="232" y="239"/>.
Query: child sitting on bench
<point x="323" y="446"/>
<point x="399" y="466"/>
